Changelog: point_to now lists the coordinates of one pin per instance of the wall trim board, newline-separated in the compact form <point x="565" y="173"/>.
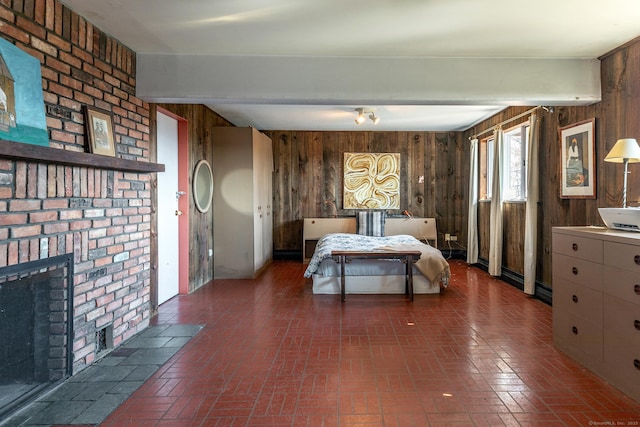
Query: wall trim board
<point x="543" y="292"/>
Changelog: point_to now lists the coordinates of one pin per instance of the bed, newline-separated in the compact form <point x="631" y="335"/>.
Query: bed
<point x="375" y="276"/>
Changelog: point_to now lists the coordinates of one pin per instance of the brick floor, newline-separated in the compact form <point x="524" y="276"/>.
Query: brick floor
<point x="273" y="354"/>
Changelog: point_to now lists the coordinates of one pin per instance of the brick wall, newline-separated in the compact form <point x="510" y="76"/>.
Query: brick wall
<point x="101" y="216"/>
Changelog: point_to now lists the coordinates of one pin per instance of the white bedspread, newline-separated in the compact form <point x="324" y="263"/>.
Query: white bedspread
<point x="431" y="263"/>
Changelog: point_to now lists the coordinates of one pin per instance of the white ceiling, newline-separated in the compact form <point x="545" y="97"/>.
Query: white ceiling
<point x="391" y="30"/>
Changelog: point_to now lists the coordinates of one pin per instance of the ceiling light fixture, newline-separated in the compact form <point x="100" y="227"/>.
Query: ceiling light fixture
<point x="362" y="115"/>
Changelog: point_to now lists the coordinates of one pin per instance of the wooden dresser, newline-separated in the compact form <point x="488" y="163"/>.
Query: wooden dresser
<point x="596" y="302"/>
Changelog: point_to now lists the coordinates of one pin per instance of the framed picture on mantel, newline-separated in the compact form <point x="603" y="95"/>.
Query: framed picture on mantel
<point x="577" y="161"/>
<point x="99" y="125"/>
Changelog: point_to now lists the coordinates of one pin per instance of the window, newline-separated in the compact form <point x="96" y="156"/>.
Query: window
<point x="486" y="167"/>
<point x="514" y="158"/>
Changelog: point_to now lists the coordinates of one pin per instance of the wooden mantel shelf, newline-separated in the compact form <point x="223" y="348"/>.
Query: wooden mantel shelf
<point x="38" y="153"/>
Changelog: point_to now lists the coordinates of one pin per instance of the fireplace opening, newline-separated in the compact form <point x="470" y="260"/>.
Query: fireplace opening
<point x="36" y="325"/>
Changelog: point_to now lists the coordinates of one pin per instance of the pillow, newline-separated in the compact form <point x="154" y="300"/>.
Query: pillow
<point x="370" y="223"/>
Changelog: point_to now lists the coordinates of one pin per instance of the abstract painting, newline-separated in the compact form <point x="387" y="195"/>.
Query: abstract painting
<point x="371" y="181"/>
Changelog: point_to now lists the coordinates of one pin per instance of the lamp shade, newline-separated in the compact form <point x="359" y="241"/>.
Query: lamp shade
<point x="625" y="148"/>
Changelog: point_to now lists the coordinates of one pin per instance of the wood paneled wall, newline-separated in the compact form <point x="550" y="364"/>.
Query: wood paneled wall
<point x="308" y="170"/>
<point x="308" y="176"/>
<point x="616" y="117"/>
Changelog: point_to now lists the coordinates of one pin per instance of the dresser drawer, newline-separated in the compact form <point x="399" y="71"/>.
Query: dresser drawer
<point x="622" y="284"/>
<point x="622" y="256"/>
<point x="622" y="321"/>
<point x="578" y="336"/>
<point x="577" y="300"/>
<point x="622" y="366"/>
<point x="596" y="302"/>
<point x="579" y="247"/>
<point x="586" y="273"/>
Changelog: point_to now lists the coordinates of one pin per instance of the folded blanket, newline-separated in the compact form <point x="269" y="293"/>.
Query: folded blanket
<point x="431" y="264"/>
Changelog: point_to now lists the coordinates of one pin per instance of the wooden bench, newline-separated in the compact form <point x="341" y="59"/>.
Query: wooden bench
<point x="407" y="257"/>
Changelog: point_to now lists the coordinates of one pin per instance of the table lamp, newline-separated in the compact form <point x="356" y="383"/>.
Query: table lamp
<point x="625" y="150"/>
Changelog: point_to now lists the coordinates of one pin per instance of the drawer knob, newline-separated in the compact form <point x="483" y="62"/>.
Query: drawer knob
<point x="313" y="222"/>
<point x="636" y="289"/>
<point x="574" y="246"/>
<point x="574" y="270"/>
<point x="636" y="259"/>
<point x="574" y="298"/>
<point x="636" y="363"/>
<point x="574" y="330"/>
<point x="636" y="324"/>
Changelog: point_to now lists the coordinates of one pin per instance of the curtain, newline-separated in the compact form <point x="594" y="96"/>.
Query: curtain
<point x="495" y="231"/>
<point x="472" y="226"/>
<point x="531" y="216"/>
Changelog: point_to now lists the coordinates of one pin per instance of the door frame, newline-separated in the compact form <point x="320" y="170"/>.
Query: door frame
<point x="183" y="205"/>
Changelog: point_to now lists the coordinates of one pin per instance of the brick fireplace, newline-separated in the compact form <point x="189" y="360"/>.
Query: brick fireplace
<point x="36" y="328"/>
<point x="60" y="201"/>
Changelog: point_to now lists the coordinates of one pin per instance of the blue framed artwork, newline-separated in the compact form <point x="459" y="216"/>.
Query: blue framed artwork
<point x="22" y="114"/>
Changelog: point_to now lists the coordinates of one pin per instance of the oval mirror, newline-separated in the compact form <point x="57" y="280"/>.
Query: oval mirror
<point x="203" y="186"/>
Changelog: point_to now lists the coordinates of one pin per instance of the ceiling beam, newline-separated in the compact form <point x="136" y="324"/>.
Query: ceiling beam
<point x="366" y="80"/>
